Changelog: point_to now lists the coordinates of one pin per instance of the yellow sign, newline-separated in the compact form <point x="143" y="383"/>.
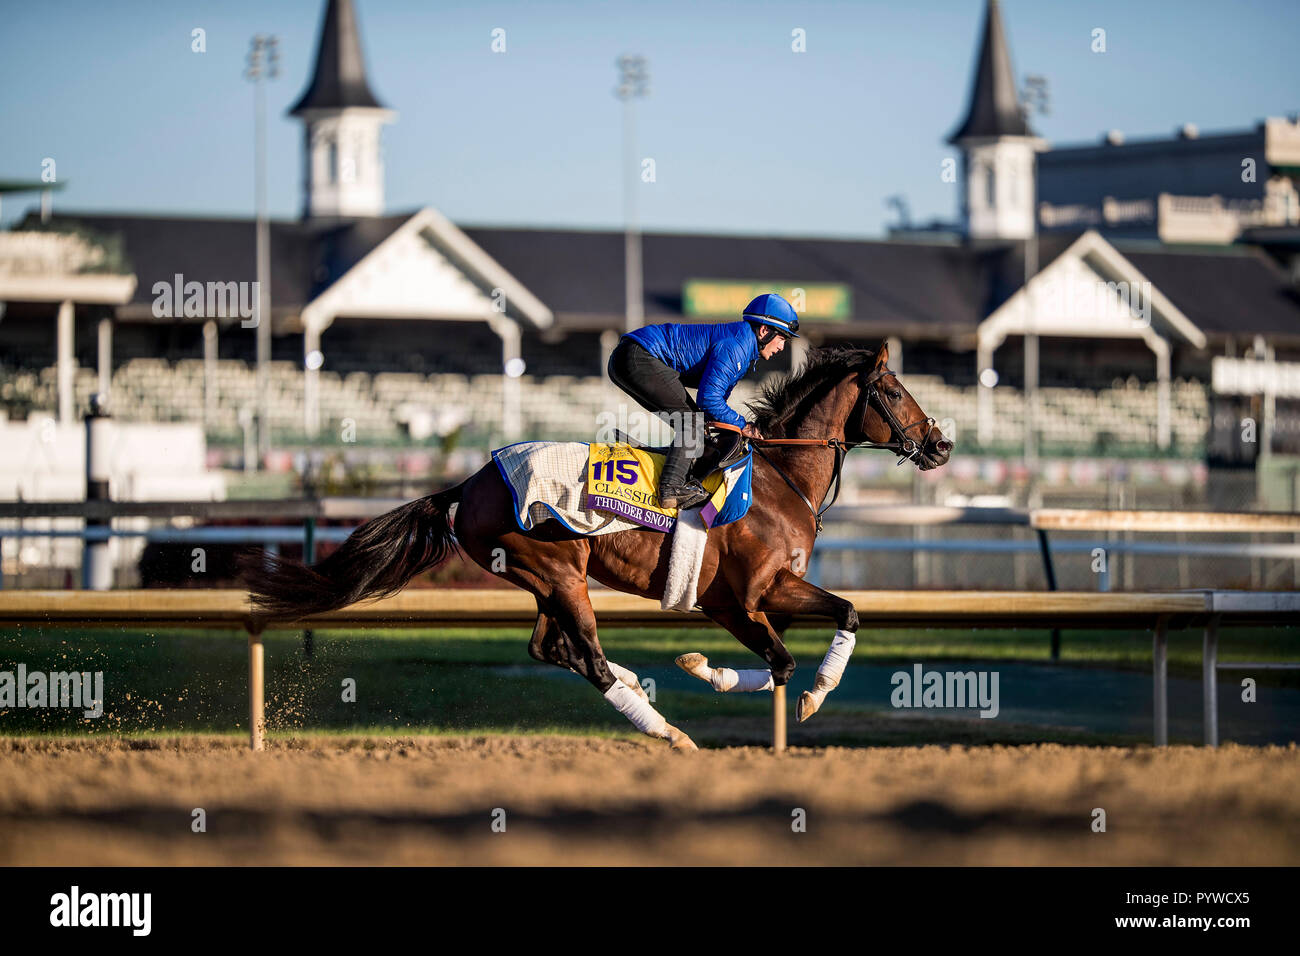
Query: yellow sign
<point x="815" y="301"/>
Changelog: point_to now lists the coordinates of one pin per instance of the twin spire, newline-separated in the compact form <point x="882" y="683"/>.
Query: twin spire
<point x="339" y="80"/>
<point x="994" y="103"/>
<point x="999" y="182"/>
<point x="344" y="172"/>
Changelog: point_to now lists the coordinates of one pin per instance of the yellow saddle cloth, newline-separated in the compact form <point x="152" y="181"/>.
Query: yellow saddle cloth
<point x="624" y="480"/>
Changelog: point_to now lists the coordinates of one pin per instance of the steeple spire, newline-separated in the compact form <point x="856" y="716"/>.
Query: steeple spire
<point x="339" y="80"/>
<point x="994" y="105"/>
<point x="997" y="146"/>
<point x="343" y="165"/>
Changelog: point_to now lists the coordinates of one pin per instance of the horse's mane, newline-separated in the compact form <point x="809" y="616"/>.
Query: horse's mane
<point x="781" y="397"/>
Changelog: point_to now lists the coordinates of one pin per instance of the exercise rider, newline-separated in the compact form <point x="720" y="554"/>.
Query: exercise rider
<point x="657" y="363"/>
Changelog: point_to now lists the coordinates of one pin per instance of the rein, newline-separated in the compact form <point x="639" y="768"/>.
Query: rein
<point x="900" y="444"/>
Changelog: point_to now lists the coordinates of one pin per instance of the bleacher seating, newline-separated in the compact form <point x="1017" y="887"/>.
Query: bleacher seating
<point x="560" y="406"/>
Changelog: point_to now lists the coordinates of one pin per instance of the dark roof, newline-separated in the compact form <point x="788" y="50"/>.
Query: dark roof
<point x="896" y="286"/>
<point x="893" y="284"/>
<point x="994" y="105"/>
<point x="1229" y="291"/>
<point x="306" y="257"/>
<point x="904" y="288"/>
<point x="339" y="79"/>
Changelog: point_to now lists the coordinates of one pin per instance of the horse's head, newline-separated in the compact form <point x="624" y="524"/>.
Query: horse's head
<point x="887" y="414"/>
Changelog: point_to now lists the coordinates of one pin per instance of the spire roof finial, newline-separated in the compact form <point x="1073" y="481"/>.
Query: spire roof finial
<point x="994" y="104"/>
<point x="339" y="80"/>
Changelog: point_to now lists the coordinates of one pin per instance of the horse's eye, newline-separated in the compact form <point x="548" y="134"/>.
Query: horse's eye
<point x="895" y="396"/>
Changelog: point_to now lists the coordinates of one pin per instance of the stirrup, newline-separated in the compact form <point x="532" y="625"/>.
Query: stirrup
<point x="689" y="495"/>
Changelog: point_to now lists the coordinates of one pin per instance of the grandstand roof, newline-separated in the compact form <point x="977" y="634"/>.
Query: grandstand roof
<point x="306" y="257"/>
<point x="1233" y="291"/>
<point x="927" y="290"/>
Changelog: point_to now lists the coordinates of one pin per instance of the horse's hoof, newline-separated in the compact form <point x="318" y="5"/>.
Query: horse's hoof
<point x="697" y="665"/>
<point x="806" y="707"/>
<point x="679" y="741"/>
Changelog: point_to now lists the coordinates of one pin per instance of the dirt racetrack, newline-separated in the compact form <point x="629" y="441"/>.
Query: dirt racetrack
<point x="577" y="801"/>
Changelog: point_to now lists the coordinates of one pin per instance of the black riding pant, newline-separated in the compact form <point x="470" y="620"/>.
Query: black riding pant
<point x="658" y="387"/>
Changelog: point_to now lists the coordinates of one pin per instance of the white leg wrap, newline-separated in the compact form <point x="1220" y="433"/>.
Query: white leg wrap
<point x="622" y="673"/>
<point x="725" y="679"/>
<point x="833" y="664"/>
<point x="628" y="678"/>
<point x="837" y="658"/>
<point x="643" y="716"/>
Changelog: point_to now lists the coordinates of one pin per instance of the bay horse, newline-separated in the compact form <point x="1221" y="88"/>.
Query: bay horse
<point x="751" y="578"/>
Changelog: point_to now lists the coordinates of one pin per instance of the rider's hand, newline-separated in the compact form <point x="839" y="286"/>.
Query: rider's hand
<point x="751" y="431"/>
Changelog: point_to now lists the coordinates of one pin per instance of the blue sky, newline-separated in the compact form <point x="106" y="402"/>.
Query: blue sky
<point x="747" y="136"/>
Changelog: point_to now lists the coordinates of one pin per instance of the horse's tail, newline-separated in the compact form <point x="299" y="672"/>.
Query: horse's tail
<point x="376" y="560"/>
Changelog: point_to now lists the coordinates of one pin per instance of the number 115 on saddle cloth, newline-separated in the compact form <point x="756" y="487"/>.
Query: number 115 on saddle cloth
<point x="622" y="479"/>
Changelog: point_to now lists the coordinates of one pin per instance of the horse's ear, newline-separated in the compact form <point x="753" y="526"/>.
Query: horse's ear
<point x="882" y="354"/>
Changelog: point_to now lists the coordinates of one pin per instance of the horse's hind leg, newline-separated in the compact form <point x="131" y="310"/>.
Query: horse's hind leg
<point x="545" y="646"/>
<point x="580" y="651"/>
<point x="756" y="633"/>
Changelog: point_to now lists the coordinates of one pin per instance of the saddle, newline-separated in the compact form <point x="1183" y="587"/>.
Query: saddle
<point x="722" y="449"/>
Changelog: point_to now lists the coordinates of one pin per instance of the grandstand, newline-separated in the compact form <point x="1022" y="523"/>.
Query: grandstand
<point x="406" y="407"/>
<point x="401" y="325"/>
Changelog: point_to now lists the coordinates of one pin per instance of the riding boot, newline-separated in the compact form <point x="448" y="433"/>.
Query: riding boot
<point x="674" y="490"/>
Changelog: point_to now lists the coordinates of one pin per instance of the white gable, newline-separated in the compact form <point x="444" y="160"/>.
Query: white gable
<point x="408" y="278"/>
<point x="1090" y="290"/>
<point x="428" y="269"/>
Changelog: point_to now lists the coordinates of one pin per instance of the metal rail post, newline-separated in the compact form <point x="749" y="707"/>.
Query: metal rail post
<point x="256" y="689"/>
<point x="1160" y="677"/>
<point x="1050" y="570"/>
<point x="1210" y="680"/>
<point x="778" y="719"/>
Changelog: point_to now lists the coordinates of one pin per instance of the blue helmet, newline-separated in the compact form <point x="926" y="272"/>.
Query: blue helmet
<point x="772" y="310"/>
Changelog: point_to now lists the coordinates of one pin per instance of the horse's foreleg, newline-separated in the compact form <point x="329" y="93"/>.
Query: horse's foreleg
<point x="790" y="594"/>
<point x="725" y="679"/>
<point x="756" y="633"/>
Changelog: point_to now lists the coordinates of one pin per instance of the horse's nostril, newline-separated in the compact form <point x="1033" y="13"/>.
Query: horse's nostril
<point x="943" y="445"/>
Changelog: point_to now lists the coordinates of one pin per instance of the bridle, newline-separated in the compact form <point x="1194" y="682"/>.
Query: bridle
<point x="906" y="448"/>
<point x="900" y="444"/>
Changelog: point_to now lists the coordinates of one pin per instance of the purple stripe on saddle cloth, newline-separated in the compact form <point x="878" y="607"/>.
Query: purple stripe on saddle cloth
<point x="625" y="509"/>
<point x="708" y="513"/>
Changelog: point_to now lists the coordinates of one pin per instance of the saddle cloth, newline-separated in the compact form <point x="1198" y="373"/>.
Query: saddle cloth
<point x="559" y="480"/>
<point x="567" y="481"/>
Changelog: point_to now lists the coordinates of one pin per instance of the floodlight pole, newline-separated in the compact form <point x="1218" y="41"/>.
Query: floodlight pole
<point x="1036" y="101"/>
<point x="263" y="64"/>
<point x="633" y="84"/>
<point x="1031" y="352"/>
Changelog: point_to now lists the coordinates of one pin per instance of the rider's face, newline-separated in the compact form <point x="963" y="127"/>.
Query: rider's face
<point x="771" y="348"/>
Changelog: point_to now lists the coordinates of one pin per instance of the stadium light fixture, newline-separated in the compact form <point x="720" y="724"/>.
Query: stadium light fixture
<point x="263" y="65"/>
<point x="634" y="83"/>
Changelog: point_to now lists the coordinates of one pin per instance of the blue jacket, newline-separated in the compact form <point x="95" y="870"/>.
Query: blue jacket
<point x="709" y="357"/>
